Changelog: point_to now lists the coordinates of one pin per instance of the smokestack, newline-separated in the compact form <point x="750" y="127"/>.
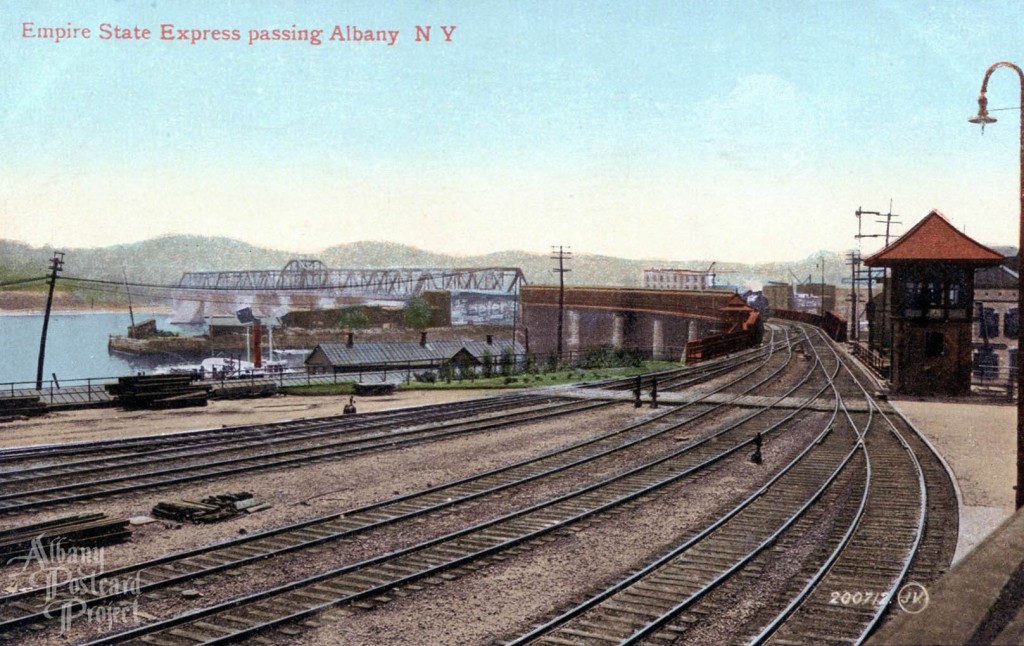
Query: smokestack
<point x="490" y="339"/>
<point x="350" y="341"/>
<point x="423" y="339"/>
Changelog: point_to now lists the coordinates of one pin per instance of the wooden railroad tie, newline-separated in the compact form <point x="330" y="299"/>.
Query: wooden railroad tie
<point x="81" y="530"/>
<point x="211" y="509"/>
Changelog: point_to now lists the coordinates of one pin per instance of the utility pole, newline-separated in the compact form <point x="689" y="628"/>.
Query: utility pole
<point x="854" y="263"/>
<point x="56" y="264"/>
<point x="131" y="313"/>
<point x="516" y="286"/>
<point x="561" y="256"/>
<point x="821" y="291"/>
<point x="887" y="220"/>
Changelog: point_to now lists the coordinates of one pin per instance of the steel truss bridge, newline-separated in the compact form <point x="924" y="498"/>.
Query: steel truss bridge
<point x="227" y="291"/>
<point x="399" y="283"/>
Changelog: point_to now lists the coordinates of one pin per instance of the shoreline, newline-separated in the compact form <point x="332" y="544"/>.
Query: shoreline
<point x="64" y="311"/>
<point x="27" y="303"/>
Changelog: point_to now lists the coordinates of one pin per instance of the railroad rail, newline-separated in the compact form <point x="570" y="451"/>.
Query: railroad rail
<point x="146" y="443"/>
<point x="839" y="594"/>
<point x="336" y="527"/>
<point x="863" y="485"/>
<point x="252" y="614"/>
<point x="145" y="463"/>
<point x="60" y="484"/>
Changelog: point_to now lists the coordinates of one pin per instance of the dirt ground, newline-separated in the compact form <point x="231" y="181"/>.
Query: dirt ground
<point x="106" y="423"/>
<point x="978" y="441"/>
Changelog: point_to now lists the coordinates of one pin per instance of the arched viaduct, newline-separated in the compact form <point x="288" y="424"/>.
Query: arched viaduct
<point x="658" y="321"/>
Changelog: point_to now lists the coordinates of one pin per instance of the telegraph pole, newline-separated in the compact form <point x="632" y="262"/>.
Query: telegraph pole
<point x="561" y="256"/>
<point x="821" y="292"/>
<point x="56" y="264"/>
<point x="887" y="220"/>
<point x="854" y="259"/>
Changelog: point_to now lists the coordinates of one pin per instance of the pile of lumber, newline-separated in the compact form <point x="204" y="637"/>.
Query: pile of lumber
<point x="37" y="542"/>
<point x="244" y="390"/>
<point x="18" y="406"/>
<point x="158" y="392"/>
<point x="374" y="390"/>
<point x="209" y="510"/>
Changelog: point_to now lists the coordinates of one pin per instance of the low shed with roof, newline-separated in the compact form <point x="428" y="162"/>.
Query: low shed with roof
<point x="353" y="356"/>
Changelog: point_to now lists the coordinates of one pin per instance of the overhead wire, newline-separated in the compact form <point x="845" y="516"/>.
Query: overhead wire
<point x="23" y="281"/>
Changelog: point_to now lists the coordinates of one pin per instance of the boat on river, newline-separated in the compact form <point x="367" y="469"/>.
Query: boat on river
<point x="217" y="368"/>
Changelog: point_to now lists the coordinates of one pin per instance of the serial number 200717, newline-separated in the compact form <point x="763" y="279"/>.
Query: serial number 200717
<point x="847" y="598"/>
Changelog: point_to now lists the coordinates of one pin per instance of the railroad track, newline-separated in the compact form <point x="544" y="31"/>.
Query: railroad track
<point x="378" y="575"/>
<point x="19" y="458"/>
<point x="681" y="378"/>
<point x="870" y="518"/>
<point x="61" y="485"/>
<point x="334" y="528"/>
<point x="16" y="609"/>
<point x="368" y="431"/>
<point x="896" y="535"/>
<point x="832" y="488"/>
<point x="647" y="601"/>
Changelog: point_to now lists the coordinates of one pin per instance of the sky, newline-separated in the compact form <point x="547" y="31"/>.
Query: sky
<point x="729" y="131"/>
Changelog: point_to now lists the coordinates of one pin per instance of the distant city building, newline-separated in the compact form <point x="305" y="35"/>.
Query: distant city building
<point x="678" y="279"/>
<point x="779" y="295"/>
<point x="996" y="321"/>
<point x="814" y="293"/>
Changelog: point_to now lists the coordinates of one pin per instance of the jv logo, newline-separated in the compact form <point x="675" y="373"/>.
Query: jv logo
<point x="913" y="598"/>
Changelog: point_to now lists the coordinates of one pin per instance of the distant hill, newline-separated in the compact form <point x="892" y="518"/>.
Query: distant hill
<point x="163" y="260"/>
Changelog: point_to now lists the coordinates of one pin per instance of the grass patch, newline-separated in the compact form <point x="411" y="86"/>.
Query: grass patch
<point x="560" y="377"/>
<point x="574" y="376"/>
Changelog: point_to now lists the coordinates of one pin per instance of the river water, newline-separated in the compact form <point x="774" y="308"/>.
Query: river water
<point x="76" y="346"/>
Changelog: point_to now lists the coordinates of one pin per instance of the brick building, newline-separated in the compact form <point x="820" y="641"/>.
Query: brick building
<point x="679" y="279"/>
<point x="932" y="305"/>
<point x="995" y="330"/>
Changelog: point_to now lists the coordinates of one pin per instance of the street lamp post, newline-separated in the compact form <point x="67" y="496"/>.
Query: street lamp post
<point x="983" y="118"/>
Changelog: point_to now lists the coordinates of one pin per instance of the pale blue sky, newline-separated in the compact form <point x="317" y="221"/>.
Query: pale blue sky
<point x="676" y="130"/>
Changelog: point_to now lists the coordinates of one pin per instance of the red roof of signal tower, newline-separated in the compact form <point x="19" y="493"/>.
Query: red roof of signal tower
<point x="935" y="239"/>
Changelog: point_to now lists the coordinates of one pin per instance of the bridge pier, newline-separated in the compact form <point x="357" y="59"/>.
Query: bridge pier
<point x="573" y="337"/>
<point x="657" y="339"/>
<point x="618" y="323"/>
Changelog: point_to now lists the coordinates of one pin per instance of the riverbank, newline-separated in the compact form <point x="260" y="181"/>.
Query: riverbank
<point x="21" y="302"/>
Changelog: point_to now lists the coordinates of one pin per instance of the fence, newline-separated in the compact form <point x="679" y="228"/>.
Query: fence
<point x="53" y="392"/>
<point x="878" y="362"/>
<point x="834" y="326"/>
<point x="600" y="356"/>
<point x="92" y="389"/>
<point x="997" y="381"/>
<point x="717" y="345"/>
